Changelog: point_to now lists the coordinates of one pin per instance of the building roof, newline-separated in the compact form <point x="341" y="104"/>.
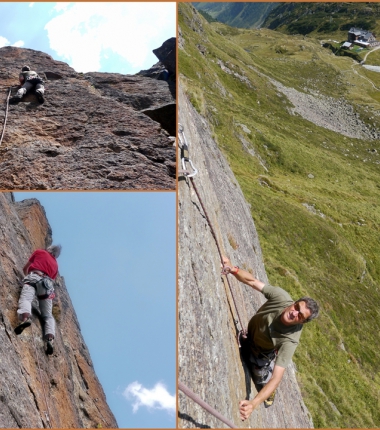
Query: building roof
<point x="360" y="32"/>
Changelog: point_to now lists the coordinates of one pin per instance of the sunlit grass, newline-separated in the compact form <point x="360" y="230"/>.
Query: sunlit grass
<point x="314" y="196"/>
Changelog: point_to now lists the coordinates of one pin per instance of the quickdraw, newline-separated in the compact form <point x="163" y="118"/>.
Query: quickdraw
<point x="185" y="154"/>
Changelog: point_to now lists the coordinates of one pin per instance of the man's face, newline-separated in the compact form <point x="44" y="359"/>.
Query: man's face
<point x="297" y="313"/>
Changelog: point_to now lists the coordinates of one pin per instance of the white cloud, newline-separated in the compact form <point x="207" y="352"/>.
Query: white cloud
<point x="155" y="398"/>
<point x="61" y="6"/>
<point x="3" y="41"/>
<point x="82" y="32"/>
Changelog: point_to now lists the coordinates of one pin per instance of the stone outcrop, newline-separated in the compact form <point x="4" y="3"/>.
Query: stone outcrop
<point x="209" y="358"/>
<point x="94" y="131"/>
<point x="34" y="387"/>
<point x="165" y="54"/>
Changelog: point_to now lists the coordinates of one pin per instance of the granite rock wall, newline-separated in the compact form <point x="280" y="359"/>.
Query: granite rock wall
<point x="209" y="358"/>
<point x="37" y="390"/>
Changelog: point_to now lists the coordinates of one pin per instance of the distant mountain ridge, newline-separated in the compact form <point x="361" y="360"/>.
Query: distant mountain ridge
<point x="238" y="14"/>
<point x="296" y="18"/>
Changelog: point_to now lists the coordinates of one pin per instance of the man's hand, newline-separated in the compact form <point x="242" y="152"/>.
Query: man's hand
<point x="246" y="408"/>
<point x="227" y="266"/>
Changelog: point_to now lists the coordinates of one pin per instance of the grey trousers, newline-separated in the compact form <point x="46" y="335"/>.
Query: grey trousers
<point x="262" y="370"/>
<point x="25" y="306"/>
<point x="29" y="86"/>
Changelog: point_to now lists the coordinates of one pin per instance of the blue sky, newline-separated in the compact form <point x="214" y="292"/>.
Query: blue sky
<point x="119" y="263"/>
<point x="115" y="37"/>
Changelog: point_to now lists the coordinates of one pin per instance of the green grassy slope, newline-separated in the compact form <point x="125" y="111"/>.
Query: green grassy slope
<point x="314" y="196"/>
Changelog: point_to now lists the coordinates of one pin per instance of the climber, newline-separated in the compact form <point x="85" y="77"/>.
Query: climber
<point x="273" y="336"/>
<point x="163" y="75"/>
<point x="29" y="80"/>
<point x="42" y="264"/>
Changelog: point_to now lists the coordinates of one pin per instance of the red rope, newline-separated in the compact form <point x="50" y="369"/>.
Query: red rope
<point x="204" y="405"/>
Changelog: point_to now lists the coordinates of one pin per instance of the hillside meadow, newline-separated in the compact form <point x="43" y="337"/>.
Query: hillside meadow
<point x="314" y="193"/>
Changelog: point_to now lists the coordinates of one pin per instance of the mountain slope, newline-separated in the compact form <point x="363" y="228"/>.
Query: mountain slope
<point x="36" y="390"/>
<point x="240" y="14"/>
<point x="91" y="132"/>
<point x="320" y="19"/>
<point x="300" y="129"/>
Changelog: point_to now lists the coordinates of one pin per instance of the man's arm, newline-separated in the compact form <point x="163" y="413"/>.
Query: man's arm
<point x="246" y="407"/>
<point x="242" y="275"/>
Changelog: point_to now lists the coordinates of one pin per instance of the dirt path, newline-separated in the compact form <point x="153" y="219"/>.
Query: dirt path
<point x="372" y="50"/>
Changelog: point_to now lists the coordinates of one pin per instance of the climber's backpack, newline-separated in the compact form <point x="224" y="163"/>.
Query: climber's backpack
<point x="45" y="288"/>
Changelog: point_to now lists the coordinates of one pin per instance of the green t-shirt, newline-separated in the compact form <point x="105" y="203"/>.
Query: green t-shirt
<point x="267" y="332"/>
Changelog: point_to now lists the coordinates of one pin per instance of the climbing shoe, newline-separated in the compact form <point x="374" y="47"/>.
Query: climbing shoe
<point x="49" y="347"/>
<point x="269" y="401"/>
<point x="40" y="97"/>
<point x="14" y="100"/>
<point x="20" y="328"/>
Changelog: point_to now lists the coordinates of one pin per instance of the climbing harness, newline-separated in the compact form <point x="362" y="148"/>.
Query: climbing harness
<point x="185" y="155"/>
<point x="243" y="333"/>
<point x="204" y="405"/>
<point x="47" y="412"/>
<point x="6" y="115"/>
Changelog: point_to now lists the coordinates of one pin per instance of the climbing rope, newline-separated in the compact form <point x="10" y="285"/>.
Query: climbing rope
<point x="242" y="331"/>
<point x="47" y="412"/>
<point x="204" y="405"/>
<point x="185" y="158"/>
<point x="6" y="115"/>
<point x="190" y="176"/>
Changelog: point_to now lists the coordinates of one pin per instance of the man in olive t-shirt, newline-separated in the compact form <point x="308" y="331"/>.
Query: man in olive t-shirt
<point x="29" y="80"/>
<point x="277" y="326"/>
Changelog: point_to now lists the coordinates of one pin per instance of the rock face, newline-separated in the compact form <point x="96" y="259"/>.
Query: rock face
<point x="91" y="132"/>
<point x="165" y="54"/>
<point x="209" y="359"/>
<point x="36" y="388"/>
